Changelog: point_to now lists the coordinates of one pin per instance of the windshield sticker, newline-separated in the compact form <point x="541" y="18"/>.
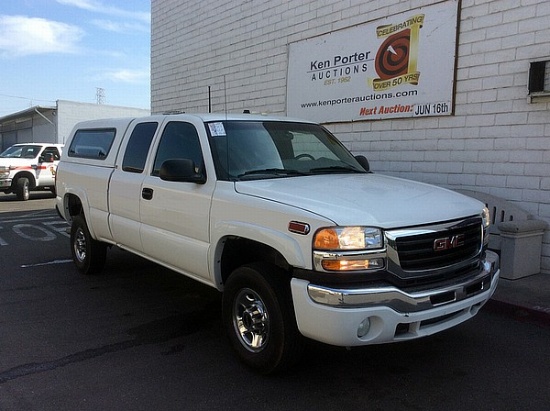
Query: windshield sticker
<point x="217" y="129"/>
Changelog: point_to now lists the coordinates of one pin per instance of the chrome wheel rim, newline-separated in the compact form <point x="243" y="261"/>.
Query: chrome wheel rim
<point x="251" y="320"/>
<point x="80" y="245"/>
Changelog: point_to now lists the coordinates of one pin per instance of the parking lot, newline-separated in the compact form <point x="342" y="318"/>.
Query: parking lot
<point x="141" y="337"/>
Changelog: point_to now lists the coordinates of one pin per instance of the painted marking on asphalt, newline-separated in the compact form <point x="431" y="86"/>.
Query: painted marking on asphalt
<point x="29" y="218"/>
<point x="21" y="228"/>
<point x="50" y="225"/>
<point x="47" y="263"/>
<point x="58" y="226"/>
<point x="2" y="242"/>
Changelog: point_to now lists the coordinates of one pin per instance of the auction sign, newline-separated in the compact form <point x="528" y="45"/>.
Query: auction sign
<point x="399" y="66"/>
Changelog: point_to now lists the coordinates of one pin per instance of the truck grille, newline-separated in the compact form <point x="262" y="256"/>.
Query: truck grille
<point x="430" y="248"/>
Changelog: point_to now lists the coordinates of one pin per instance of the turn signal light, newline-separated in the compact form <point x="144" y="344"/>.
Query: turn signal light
<point x="326" y="239"/>
<point x="352" y="265"/>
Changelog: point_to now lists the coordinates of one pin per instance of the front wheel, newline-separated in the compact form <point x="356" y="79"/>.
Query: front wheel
<point x="22" y="189"/>
<point x="89" y="255"/>
<point x="258" y="316"/>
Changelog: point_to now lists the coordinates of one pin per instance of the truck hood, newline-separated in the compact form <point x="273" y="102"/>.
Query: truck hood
<point x="17" y="162"/>
<point x="365" y="199"/>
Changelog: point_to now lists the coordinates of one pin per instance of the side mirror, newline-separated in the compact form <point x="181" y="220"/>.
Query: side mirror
<point x="363" y="162"/>
<point x="182" y="170"/>
<point x="46" y="158"/>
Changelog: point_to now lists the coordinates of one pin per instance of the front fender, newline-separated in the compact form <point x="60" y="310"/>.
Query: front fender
<point x="287" y="245"/>
<point x="27" y="174"/>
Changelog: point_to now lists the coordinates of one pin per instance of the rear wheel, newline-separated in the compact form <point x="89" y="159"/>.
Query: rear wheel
<point x="259" y="318"/>
<point x="22" y="189"/>
<point x="89" y="255"/>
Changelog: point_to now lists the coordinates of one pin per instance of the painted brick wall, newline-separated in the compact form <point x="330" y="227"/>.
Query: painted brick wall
<point x="497" y="142"/>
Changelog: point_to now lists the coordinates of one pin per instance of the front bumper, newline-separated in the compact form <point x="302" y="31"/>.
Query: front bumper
<point x="334" y="315"/>
<point x="5" y="182"/>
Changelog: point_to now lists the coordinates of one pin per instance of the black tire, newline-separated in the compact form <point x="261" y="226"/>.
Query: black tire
<point x="22" y="189"/>
<point x="258" y="316"/>
<point x="89" y="255"/>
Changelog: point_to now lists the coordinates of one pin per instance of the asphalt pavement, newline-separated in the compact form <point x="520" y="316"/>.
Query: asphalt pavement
<point x="527" y="297"/>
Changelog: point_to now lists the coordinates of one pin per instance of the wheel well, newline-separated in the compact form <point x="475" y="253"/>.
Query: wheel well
<point x="73" y="205"/>
<point x="32" y="181"/>
<point x="239" y="251"/>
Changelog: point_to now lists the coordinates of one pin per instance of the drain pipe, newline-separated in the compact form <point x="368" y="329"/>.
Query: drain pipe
<point x="43" y="116"/>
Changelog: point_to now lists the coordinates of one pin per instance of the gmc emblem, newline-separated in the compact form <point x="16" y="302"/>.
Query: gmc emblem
<point x="442" y="244"/>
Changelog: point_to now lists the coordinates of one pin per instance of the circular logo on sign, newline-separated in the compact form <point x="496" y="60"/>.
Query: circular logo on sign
<point x="392" y="58"/>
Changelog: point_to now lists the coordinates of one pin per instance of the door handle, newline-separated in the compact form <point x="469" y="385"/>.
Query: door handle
<point x="147" y="193"/>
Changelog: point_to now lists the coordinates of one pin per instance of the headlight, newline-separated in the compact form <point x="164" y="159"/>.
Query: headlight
<point x="348" y="238"/>
<point x="349" y="249"/>
<point x="486" y="216"/>
<point x="4" y="172"/>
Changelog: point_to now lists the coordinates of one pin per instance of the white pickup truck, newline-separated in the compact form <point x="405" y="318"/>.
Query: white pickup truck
<point x="297" y="233"/>
<point x="29" y="166"/>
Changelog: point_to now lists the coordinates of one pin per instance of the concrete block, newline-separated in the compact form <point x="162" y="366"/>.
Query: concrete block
<point x="520" y="248"/>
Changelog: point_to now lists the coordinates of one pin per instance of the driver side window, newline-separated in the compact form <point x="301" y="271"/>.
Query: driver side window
<point x="53" y="151"/>
<point x="179" y="141"/>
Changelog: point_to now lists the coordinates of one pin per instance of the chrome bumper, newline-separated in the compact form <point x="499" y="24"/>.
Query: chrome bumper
<point x="404" y="302"/>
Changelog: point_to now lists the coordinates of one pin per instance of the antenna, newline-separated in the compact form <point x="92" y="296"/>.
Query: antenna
<point x="225" y="96"/>
<point x="209" y="100"/>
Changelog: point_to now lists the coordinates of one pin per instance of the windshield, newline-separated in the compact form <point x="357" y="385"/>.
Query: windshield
<point x="21" y="152"/>
<point x="245" y="150"/>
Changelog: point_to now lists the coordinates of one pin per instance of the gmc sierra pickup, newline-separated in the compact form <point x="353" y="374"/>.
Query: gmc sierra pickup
<point x="297" y="233"/>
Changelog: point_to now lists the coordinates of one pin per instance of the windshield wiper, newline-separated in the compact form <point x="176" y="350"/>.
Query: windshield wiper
<point x="273" y="172"/>
<point x="337" y="169"/>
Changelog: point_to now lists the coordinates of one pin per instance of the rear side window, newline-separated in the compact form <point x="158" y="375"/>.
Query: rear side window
<point x="94" y="144"/>
<point x="138" y="147"/>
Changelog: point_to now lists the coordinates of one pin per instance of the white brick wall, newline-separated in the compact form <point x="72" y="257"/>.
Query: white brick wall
<point x="496" y="142"/>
